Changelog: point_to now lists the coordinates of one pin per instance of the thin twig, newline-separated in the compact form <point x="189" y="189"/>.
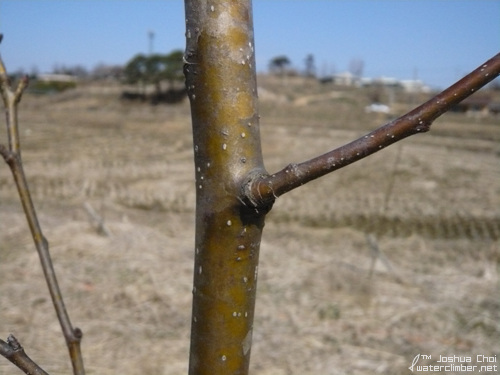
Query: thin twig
<point x="12" y="156"/>
<point x="392" y="180"/>
<point x="260" y="191"/>
<point x="97" y="219"/>
<point x="378" y="254"/>
<point x="14" y="352"/>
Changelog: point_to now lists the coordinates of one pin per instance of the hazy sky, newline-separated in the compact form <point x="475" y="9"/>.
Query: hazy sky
<point x="434" y="40"/>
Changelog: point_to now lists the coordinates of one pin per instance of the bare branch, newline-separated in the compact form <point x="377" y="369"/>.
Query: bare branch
<point x="261" y="190"/>
<point x="12" y="156"/>
<point x="5" y="153"/>
<point x="21" y="86"/>
<point x="14" y="352"/>
<point x="97" y="220"/>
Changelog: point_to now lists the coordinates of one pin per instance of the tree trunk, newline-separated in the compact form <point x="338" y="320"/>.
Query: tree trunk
<point x="221" y="84"/>
<point x="234" y="192"/>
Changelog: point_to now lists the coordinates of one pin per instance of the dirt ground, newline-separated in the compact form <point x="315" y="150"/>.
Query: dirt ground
<point x="361" y="271"/>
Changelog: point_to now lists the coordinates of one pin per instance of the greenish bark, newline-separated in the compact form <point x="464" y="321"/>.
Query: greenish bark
<point x="234" y="192"/>
<point x="221" y="84"/>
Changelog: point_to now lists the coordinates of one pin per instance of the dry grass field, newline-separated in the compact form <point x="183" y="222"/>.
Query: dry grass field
<point x="362" y="270"/>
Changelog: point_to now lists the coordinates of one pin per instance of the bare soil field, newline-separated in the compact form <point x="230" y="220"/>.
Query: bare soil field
<point x="394" y="256"/>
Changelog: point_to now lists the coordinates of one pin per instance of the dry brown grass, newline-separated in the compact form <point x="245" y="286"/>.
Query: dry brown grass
<point x="323" y="306"/>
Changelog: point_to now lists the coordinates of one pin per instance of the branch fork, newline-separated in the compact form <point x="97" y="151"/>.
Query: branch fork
<point x="14" y="352"/>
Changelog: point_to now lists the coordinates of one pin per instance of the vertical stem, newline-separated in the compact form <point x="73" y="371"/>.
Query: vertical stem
<point x="221" y="84"/>
<point x="72" y="335"/>
<point x="12" y="156"/>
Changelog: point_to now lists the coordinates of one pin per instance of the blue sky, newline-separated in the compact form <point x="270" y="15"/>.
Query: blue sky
<point x="436" y="41"/>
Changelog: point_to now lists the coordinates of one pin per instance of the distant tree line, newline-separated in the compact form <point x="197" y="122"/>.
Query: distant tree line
<point x="281" y="65"/>
<point x="162" y="72"/>
<point x="155" y="69"/>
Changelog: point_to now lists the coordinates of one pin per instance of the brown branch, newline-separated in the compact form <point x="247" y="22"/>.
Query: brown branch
<point x="14" y="352"/>
<point x="259" y="190"/>
<point x="12" y="156"/>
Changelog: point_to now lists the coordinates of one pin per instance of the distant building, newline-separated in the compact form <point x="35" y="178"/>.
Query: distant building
<point x="57" y="78"/>
<point x="345" y="79"/>
<point x="377" y="108"/>
<point x="349" y="79"/>
<point x="411" y="86"/>
<point x="381" y="81"/>
<point x="414" y="86"/>
<point x="341" y="79"/>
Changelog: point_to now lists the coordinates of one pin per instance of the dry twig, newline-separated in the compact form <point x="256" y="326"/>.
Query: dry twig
<point x="12" y="156"/>
<point x="97" y="219"/>
<point x="14" y="352"/>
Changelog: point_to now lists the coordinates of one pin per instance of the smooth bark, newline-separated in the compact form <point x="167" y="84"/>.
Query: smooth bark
<point x="221" y="84"/>
<point x="234" y="192"/>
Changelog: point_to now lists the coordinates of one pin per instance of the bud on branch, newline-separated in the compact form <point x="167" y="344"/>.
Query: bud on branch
<point x="261" y="190"/>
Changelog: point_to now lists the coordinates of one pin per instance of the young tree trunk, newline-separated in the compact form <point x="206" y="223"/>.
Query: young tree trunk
<point x="234" y="192"/>
<point x="221" y="84"/>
